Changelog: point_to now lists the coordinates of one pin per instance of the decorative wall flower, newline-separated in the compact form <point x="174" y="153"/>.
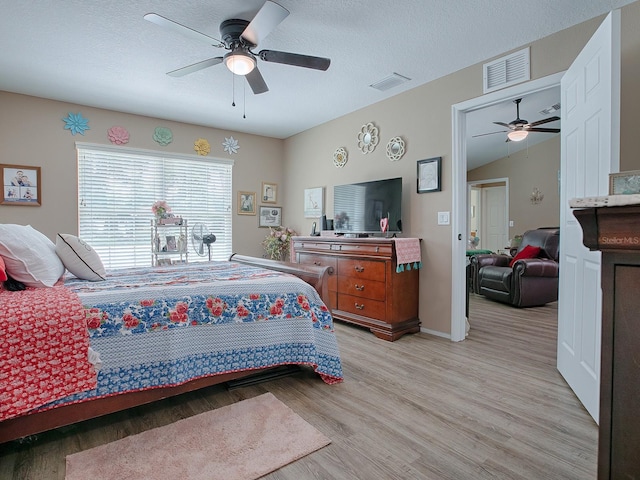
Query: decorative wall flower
<point x="118" y="135"/>
<point x="230" y="145"/>
<point x="202" y="146"/>
<point x="340" y="157"/>
<point x="368" y="138"/>
<point x="163" y="135"/>
<point x="76" y="123"/>
<point x="395" y="149"/>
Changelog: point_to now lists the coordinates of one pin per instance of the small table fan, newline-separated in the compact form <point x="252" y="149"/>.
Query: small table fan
<point x="200" y="236"/>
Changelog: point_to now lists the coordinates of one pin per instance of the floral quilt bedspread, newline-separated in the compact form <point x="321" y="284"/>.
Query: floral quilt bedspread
<point x="165" y="326"/>
<point x="43" y="348"/>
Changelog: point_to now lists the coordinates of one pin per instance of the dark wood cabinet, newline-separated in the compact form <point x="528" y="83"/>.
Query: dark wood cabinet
<point x="364" y="287"/>
<point x="616" y="232"/>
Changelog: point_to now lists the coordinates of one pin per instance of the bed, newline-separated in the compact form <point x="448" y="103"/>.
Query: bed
<point x="154" y="333"/>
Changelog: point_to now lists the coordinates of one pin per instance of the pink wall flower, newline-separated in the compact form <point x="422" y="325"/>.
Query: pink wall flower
<point x="118" y="135"/>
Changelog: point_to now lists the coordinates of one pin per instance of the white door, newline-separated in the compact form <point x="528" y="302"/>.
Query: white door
<point x="590" y="92"/>
<point x="493" y="235"/>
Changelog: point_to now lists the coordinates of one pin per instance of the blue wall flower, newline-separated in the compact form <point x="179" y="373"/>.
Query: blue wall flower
<point x="76" y="123"/>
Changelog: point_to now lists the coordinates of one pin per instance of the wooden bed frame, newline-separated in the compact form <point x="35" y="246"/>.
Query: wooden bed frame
<point x="37" y="422"/>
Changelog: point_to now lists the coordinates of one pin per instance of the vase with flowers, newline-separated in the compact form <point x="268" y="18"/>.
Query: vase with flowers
<point x="160" y="209"/>
<point x="276" y="243"/>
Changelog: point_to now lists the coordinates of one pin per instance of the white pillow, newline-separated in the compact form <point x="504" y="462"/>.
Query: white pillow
<point x="79" y="258"/>
<point x="30" y="257"/>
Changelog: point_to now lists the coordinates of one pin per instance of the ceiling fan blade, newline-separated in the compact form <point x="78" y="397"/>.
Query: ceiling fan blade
<point x="181" y="72"/>
<point x="485" y="134"/>
<point x="295" y="59"/>
<point x="546" y="120"/>
<point x="256" y="82"/>
<point x="506" y="125"/>
<point x="267" y="18"/>
<point x="177" y="27"/>
<point x="543" y="130"/>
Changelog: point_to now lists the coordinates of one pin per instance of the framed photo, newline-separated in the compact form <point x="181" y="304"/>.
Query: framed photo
<point x="172" y="246"/>
<point x="429" y="175"/>
<point x="20" y="185"/>
<point x="270" y="216"/>
<point x="313" y="202"/>
<point x="269" y="192"/>
<point x="246" y="203"/>
<point x="624" y="183"/>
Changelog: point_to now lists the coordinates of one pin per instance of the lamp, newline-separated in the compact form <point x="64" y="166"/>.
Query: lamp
<point x="517" y="135"/>
<point x="240" y="61"/>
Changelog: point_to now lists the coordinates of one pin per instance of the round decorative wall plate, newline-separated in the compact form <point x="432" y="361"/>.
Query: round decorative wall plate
<point x="395" y="149"/>
<point x="368" y="138"/>
<point x="340" y="157"/>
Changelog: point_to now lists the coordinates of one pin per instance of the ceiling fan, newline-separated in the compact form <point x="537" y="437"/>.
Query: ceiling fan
<point x="519" y="129"/>
<point x="240" y="37"/>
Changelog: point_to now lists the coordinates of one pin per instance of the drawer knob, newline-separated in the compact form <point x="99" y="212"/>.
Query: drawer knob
<point x="359" y="307"/>
<point x="360" y="288"/>
<point x="359" y="269"/>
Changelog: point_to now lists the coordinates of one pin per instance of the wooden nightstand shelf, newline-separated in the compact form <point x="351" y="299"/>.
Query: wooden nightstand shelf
<point x="364" y="288"/>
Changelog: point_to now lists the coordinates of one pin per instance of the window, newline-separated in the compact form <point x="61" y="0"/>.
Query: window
<point x="117" y="187"/>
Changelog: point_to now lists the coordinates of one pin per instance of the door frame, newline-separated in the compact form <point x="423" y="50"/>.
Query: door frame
<point x="459" y="187"/>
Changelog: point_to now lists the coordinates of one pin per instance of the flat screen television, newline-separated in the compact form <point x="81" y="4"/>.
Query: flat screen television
<point x="358" y="207"/>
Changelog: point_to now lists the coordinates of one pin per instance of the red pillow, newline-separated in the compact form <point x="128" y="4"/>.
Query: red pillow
<point x="3" y="270"/>
<point x="526" y="252"/>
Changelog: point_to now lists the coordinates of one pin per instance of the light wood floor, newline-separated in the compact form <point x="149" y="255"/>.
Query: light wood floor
<point x="493" y="406"/>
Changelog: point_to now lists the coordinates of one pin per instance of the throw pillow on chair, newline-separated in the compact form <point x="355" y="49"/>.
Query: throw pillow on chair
<point x="528" y="251"/>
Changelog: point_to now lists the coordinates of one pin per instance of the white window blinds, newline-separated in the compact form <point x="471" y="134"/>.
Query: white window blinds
<point x="117" y="187"/>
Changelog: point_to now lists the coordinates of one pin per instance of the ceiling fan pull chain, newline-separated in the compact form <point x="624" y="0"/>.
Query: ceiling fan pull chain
<point x="233" y="90"/>
<point x="244" y="100"/>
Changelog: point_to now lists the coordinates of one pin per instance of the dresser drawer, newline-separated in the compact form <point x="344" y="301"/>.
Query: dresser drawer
<point x="322" y="261"/>
<point x="362" y="287"/>
<point x="362" y="306"/>
<point x="354" y="267"/>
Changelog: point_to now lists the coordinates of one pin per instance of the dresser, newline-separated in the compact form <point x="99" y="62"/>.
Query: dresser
<point x="616" y="232"/>
<point x="364" y="287"/>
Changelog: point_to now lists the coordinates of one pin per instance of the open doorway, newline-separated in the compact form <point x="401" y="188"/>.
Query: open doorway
<point x="460" y="193"/>
<point x="488" y="215"/>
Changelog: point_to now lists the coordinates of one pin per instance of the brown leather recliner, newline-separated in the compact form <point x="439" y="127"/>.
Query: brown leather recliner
<point x="530" y="281"/>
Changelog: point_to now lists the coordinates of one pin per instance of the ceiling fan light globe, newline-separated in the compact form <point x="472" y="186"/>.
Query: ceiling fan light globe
<point x="517" y="135"/>
<point x="239" y="62"/>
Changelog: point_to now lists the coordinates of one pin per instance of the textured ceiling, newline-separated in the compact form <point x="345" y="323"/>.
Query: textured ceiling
<point x="104" y="54"/>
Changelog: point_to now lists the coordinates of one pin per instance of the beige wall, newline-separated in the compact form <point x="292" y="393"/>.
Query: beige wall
<point x="422" y="116"/>
<point x="32" y="133"/>
<point x="536" y="167"/>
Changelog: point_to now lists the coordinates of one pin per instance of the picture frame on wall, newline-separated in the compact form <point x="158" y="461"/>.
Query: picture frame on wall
<point x="269" y="192"/>
<point x="430" y="175"/>
<point x="313" y="202"/>
<point x="20" y="185"/>
<point x="270" y="216"/>
<point x="246" y="203"/>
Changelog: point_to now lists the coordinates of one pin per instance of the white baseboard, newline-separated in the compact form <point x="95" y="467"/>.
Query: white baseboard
<point x="435" y="332"/>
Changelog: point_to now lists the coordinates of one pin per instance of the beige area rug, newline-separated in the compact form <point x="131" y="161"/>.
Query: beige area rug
<point x="245" y="440"/>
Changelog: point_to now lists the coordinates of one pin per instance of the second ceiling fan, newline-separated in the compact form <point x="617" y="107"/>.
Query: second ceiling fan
<point x="240" y="37"/>
<point x="519" y="129"/>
